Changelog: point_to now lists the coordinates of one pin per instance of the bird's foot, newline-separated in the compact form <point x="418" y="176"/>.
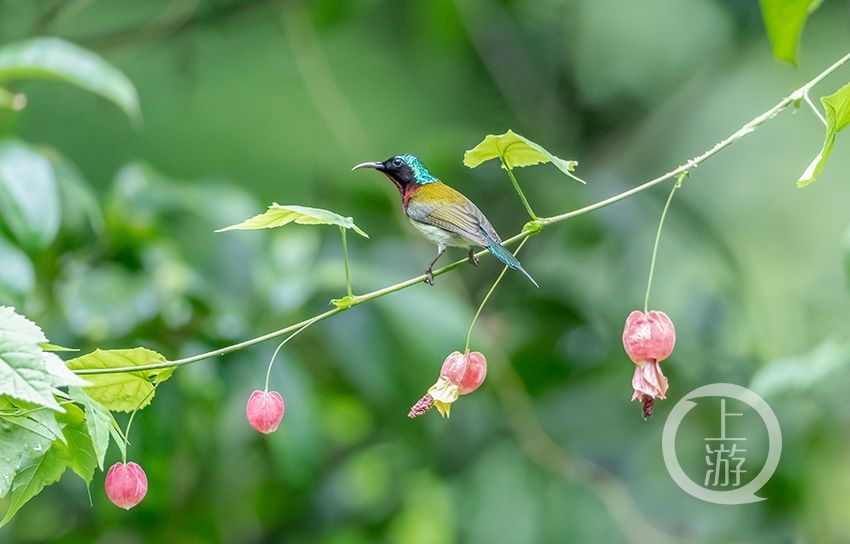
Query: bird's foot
<point x="429" y="276"/>
<point x="473" y="258"/>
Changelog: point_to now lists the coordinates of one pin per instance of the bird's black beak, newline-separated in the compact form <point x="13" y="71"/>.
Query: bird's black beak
<point x="375" y="165"/>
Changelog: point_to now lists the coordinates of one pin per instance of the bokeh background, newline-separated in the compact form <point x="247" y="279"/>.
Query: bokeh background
<point x="248" y="102"/>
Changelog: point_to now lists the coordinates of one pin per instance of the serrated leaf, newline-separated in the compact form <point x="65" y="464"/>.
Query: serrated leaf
<point x="98" y="422"/>
<point x="26" y="433"/>
<point x="23" y="369"/>
<point x="37" y="419"/>
<point x="35" y="476"/>
<point x="125" y="391"/>
<point x="75" y="451"/>
<point x="516" y="151"/>
<point x="29" y="198"/>
<point x="60" y="374"/>
<point x="837" y="109"/>
<point x="278" y="215"/>
<point x="784" y="21"/>
<point x="55" y="59"/>
<point x="78" y="447"/>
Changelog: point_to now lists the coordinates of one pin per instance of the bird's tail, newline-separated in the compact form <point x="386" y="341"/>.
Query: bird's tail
<point x="499" y="251"/>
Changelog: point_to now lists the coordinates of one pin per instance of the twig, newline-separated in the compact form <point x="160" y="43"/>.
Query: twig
<point x="529" y="230"/>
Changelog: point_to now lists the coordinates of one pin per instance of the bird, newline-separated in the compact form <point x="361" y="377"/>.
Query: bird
<point x="442" y="214"/>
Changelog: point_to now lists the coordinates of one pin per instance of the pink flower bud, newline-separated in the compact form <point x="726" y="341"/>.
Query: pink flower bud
<point x="265" y="410"/>
<point x="648" y="336"/>
<point x="126" y="485"/>
<point x="461" y="374"/>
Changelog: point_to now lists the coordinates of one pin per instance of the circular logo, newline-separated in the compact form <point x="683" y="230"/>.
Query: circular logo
<point x="725" y="456"/>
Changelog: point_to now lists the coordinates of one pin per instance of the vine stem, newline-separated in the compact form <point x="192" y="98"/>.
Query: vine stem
<point x="540" y="224"/>
<point x="487" y="297"/>
<point x="285" y="340"/>
<point x="345" y="258"/>
<point x="518" y="189"/>
<point x="130" y="424"/>
<point x="658" y="239"/>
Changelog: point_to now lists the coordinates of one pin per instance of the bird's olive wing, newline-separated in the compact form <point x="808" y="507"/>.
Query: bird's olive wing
<point x="463" y="219"/>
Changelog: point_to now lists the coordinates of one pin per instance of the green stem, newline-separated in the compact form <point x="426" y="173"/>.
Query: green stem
<point x="657" y="239"/>
<point x="487" y="297"/>
<point x="130" y="423"/>
<point x="539" y="225"/>
<point x="345" y="258"/>
<point x="518" y="189"/>
<point x="285" y="340"/>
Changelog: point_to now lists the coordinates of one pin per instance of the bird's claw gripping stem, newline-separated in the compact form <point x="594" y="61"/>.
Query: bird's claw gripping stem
<point x="473" y="258"/>
<point x="429" y="276"/>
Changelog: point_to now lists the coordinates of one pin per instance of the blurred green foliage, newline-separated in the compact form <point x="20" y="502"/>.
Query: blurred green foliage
<point x="245" y="103"/>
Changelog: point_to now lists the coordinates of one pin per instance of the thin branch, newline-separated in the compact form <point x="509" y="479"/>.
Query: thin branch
<point x="529" y="230"/>
<point x="815" y="109"/>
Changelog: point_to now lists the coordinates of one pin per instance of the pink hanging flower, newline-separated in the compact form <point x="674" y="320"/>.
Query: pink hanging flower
<point x="461" y="374"/>
<point x="126" y="485"/>
<point x="265" y="410"/>
<point x="648" y="339"/>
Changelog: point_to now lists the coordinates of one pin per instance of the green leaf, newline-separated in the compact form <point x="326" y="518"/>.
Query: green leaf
<point x="26" y="433"/>
<point x="17" y="276"/>
<point x="278" y="216"/>
<point x="125" y="391"/>
<point x="24" y="372"/>
<point x="98" y="422"/>
<point x="37" y="419"/>
<point x="784" y="21"/>
<point x="75" y="450"/>
<point x="29" y="199"/>
<point x="60" y="374"/>
<point x="55" y="59"/>
<point x="516" y="151"/>
<point x="78" y="447"/>
<point x="47" y="346"/>
<point x="35" y="476"/>
<point x="837" y="109"/>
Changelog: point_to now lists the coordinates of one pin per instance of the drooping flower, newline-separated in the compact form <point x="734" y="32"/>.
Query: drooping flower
<point x="649" y="336"/>
<point x="126" y="485"/>
<point x="461" y="374"/>
<point x="265" y="410"/>
<point x="648" y="339"/>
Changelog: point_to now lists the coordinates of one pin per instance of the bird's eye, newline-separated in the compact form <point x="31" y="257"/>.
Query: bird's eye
<point x="397" y="163"/>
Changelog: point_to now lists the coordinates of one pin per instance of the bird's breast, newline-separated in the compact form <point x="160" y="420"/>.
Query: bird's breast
<point x="442" y="238"/>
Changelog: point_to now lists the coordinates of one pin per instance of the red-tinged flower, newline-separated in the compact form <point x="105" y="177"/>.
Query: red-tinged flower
<point x="648" y="336"/>
<point x="648" y="339"/>
<point x="126" y="485"/>
<point x="461" y="374"/>
<point x="265" y="410"/>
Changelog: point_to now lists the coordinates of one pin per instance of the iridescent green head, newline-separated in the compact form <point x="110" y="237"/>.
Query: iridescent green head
<point x="402" y="170"/>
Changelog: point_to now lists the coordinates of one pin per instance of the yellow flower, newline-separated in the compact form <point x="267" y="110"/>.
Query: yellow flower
<point x="444" y="393"/>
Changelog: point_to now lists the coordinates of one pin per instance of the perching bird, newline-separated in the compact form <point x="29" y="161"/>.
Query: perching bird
<point x="443" y="215"/>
